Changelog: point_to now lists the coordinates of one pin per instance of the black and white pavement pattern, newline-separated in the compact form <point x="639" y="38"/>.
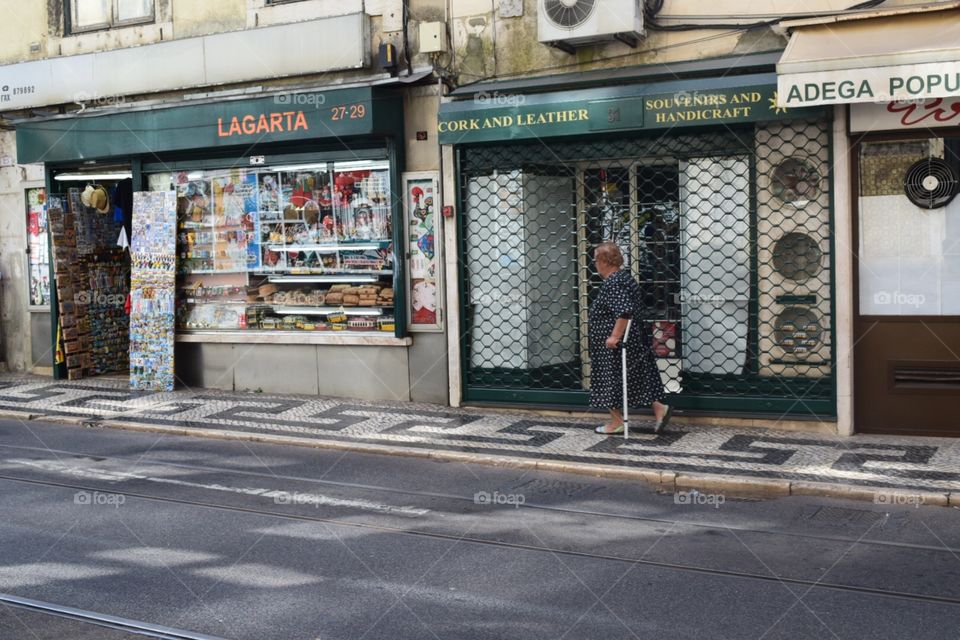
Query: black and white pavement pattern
<point x="913" y="463"/>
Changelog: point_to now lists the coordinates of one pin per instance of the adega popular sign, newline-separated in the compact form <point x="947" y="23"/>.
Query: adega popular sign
<point x="879" y="84"/>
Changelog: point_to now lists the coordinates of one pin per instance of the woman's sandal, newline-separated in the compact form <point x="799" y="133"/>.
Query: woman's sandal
<point x="659" y="426"/>
<point x="602" y="429"/>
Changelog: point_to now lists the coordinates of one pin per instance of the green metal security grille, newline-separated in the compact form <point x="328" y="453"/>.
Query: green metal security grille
<point x="729" y="232"/>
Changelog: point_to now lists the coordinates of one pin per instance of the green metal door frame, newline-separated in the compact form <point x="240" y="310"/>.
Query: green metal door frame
<point x="791" y="402"/>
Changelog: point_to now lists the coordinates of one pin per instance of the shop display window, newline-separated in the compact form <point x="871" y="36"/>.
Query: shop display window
<point x="38" y="248"/>
<point x="909" y="249"/>
<point x="286" y="248"/>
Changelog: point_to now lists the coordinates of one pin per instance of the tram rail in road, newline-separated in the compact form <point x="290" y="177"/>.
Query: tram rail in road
<point x="819" y="584"/>
<point x="133" y="627"/>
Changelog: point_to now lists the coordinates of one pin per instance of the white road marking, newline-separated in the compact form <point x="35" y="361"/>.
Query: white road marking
<point x="276" y="495"/>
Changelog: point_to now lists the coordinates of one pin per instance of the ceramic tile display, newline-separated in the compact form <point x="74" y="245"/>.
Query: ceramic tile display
<point x="420" y="193"/>
<point x="38" y="247"/>
<point x="153" y="285"/>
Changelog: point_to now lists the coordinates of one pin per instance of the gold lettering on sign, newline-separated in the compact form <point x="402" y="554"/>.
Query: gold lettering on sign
<point x="697" y="115"/>
<point x="514" y="120"/>
<point x="702" y="107"/>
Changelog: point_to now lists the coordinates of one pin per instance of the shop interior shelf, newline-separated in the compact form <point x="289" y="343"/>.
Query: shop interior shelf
<point x="322" y="311"/>
<point x="210" y="271"/>
<point x="373" y="276"/>
<point x="329" y="247"/>
<point x="214" y="301"/>
<point x="188" y="224"/>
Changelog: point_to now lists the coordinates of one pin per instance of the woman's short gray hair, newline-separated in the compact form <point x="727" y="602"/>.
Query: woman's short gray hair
<point x="608" y="253"/>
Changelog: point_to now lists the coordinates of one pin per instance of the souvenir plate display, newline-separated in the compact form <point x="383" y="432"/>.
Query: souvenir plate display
<point x="153" y="286"/>
<point x="420" y="201"/>
<point x="284" y="248"/>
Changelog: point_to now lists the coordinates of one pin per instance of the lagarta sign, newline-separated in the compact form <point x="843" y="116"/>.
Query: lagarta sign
<point x="274" y="122"/>
<point x="880" y="84"/>
<point x="312" y="115"/>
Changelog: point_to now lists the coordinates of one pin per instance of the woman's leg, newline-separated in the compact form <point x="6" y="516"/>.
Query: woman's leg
<point x="659" y="409"/>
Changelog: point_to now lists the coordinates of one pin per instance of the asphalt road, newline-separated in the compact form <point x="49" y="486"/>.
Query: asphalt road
<point x="250" y="541"/>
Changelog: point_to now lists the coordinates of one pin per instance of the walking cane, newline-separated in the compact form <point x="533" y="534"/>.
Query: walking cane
<point x="623" y="368"/>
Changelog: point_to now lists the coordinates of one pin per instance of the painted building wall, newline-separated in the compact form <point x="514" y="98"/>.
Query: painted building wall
<point x="499" y="39"/>
<point x="14" y="316"/>
<point x="35" y="30"/>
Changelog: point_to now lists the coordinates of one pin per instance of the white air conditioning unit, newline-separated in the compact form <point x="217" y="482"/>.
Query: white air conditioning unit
<point x="568" y="23"/>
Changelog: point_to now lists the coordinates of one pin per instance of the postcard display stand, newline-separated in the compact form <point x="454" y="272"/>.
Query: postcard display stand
<point x="153" y="285"/>
<point x="91" y="284"/>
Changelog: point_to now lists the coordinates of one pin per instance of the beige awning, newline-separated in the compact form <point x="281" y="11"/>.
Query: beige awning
<point x="910" y="53"/>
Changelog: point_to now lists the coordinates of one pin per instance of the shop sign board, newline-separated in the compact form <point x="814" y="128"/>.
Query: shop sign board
<point x="912" y="114"/>
<point x="102" y="79"/>
<point x="875" y="84"/>
<point x="722" y="101"/>
<point x="336" y="113"/>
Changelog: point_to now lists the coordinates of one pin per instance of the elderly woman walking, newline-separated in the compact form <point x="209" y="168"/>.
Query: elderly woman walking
<point x="619" y="300"/>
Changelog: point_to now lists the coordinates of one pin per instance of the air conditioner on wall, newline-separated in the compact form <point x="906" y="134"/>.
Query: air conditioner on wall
<point x="568" y="23"/>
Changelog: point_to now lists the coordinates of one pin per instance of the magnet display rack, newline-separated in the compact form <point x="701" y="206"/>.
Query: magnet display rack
<point x="91" y="277"/>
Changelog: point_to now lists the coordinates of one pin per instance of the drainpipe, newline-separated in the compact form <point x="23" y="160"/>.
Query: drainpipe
<point x="406" y="36"/>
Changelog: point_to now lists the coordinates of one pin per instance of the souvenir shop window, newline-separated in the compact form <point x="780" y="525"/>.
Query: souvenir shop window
<point x="909" y="251"/>
<point x="38" y="248"/>
<point x="91" y="15"/>
<point x="289" y="248"/>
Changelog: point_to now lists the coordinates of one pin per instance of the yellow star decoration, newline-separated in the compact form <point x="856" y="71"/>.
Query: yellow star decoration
<point x="773" y="104"/>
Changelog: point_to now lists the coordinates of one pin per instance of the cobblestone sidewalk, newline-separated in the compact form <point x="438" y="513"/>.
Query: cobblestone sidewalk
<point x="748" y="457"/>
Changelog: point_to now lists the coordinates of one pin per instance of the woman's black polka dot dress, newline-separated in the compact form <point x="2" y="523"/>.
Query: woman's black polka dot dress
<point x="621" y="297"/>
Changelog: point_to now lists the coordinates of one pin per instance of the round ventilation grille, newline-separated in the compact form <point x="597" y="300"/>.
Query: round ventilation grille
<point x="930" y="183"/>
<point x="568" y="13"/>
<point x="795" y="181"/>
<point x="797" y="331"/>
<point x="797" y="256"/>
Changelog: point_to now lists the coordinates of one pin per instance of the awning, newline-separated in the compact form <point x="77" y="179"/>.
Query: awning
<point x="722" y="101"/>
<point x="328" y="115"/>
<point x="910" y="53"/>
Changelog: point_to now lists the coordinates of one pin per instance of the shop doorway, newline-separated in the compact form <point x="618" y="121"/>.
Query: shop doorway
<point x="729" y="231"/>
<point x="89" y="213"/>
<point x="635" y="206"/>
<point x="907" y="325"/>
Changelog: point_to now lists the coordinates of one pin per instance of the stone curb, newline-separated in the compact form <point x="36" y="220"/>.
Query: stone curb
<point x="663" y="481"/>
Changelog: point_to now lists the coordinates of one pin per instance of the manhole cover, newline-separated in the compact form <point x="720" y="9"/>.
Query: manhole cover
<point x="838" y="516"/>
<point x="541" y="487"/>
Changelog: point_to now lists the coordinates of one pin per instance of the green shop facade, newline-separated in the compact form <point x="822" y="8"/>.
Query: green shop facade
<point x="288" y="220"/>
<point x="721" y="202"/>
